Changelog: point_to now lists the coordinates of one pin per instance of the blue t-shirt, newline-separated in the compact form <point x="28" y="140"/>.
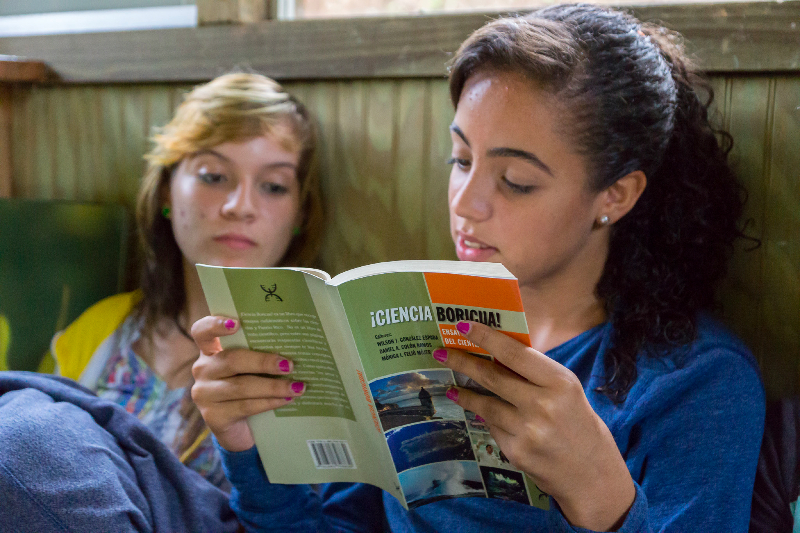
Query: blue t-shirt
<point x="689" y="430"/>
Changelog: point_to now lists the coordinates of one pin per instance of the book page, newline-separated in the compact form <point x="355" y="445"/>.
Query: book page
<point x="398" y="319"/>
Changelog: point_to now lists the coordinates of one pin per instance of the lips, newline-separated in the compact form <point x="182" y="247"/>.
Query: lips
<point x="235" y="241"/>
<point x="469" y="248"/>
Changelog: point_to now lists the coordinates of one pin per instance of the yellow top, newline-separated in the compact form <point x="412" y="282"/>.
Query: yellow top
<point x="5" y="340"/>
<point x="75" y="346"/>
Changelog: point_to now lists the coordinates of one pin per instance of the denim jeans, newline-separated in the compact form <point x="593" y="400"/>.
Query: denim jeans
<point x="70" y="461"/>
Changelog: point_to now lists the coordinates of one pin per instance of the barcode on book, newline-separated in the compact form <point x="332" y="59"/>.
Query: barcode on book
<point x="331" y="454"/>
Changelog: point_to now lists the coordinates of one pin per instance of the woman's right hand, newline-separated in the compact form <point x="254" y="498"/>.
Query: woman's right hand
<point x="231" y="385"/>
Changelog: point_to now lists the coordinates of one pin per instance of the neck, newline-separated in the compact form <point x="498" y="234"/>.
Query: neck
<point x="196" y="306"/>
<point x="553" y="319"/>
<point x="563" y="306"/>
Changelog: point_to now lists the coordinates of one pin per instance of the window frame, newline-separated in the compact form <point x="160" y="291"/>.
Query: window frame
<point x="725" y="37"/>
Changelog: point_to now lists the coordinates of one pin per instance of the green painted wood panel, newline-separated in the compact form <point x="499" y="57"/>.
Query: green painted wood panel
<point x="381" y="161"/>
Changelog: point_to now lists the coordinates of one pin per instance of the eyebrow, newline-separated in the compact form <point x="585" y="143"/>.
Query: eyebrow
<point x="279" y="164"/>
<point x="507" y="152"/>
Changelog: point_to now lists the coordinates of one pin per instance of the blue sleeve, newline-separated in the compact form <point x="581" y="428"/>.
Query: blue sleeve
<point x="262" y="506"/>
<point x="694" y="446"/>
<point x="705" y="444"/>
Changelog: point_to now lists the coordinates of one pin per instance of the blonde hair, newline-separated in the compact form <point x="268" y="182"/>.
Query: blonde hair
<point x="233" y="108"/>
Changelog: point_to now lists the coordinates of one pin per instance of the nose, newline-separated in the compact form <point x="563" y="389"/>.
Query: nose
<point x="240" y="202"/>
<point x="470" y="195"/>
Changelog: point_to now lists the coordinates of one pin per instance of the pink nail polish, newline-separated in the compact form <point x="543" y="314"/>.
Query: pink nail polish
<point x="463" y="327"/>
<point x="479" y="418"/>
<point x="284" y="366"/>
<point x="230" y="324"/>
<point x="288" y="399"/>
<point x="452" y="394"/>
<point x="298" y="387"/>
<point x="440" y="354"/>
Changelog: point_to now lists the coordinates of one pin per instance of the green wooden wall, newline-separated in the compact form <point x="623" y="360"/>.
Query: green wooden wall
<point x="382" y="159"/>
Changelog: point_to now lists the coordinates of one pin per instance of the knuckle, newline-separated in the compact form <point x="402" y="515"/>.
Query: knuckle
<point x="202" y="367"/>
<point x="480" y="334"/>
<point x="535" y="433"/>
<point x="491" y="380"/>
<point x="268" y="363"/>
<point x="197" y="394"/>
<point x="549" y="409"/>
<point x="567" y="381"/>
<point x="512" y="451"/>
<point x="238" y="387"/>
<point x="197" y="329"/>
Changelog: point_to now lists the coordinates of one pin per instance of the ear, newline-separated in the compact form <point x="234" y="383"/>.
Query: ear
<point x="621" y="196"/>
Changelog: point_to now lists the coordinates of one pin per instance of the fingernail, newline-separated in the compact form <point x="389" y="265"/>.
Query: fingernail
<point x="288" y="399"/>
<point x="479" y="418"/>
<point x="440" y="354"/>
<point x="463" y="327"/>
<point x="230" y="324"/>
<point x="452" y="394"/>
<point x="284" y="365"/>
<point x="298" y="387"/>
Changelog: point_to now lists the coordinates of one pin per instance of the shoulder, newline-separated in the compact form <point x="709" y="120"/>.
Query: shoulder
<point x="73" y="347"/>
<point x="716" y="371"/>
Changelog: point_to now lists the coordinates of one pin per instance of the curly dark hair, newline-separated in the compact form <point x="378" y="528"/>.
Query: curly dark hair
<point x="634" y="101"/>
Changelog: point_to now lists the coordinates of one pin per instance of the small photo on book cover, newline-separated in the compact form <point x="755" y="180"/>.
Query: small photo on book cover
<point x="473" y="424"/>
<point x="412" y="397"/>
<point x="440" y="481"/>
<point x="488" y="452"/>
<point x="429" y="442"/>
<point x="505" y="484"/>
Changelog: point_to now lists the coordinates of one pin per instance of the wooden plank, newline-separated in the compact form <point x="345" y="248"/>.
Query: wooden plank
<point x="14" y="69"/>
<point x="80" y="109"/>
<point x="321" y="100"/>
<point x="62" y="142"/>
<point x="347" y="202"/>
<point x="40" y="111"/>
<point x="22" y="148"/>
<point x="377" y="175"/>
<point x="217" y="11"/>
<point x="232" y="11"/>
<point x="409" y="148"/>
<point x="740" y="37"/>
<point x="748" y="116"/>
<point x="780" y="290"/>
<point x="439" y="244"/>
<point x="6" y="165"/>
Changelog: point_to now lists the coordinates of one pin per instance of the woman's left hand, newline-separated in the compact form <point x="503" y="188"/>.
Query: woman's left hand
<point x="545" y="426"/>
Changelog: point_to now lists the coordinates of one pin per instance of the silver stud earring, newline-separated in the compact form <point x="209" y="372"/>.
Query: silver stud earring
<point x="603" y="221"/>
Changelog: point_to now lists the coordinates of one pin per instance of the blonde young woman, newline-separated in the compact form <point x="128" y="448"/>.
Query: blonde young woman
<point x="583" y="161"/>
<point x="227" y="183"/>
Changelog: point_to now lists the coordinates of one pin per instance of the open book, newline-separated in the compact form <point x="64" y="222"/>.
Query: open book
<point x="374" y="410"/>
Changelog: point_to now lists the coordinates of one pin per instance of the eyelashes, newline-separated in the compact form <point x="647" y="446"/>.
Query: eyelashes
<point x="517" y="188"/>
<point x="274" y="188"/>
<point x="210" y="177"/>
<point x="464" y="164"/>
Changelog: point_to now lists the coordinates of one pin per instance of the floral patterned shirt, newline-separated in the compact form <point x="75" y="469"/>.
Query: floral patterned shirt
<point x="128" y="381"/>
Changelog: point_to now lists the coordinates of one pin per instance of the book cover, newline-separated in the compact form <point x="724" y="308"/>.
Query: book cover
<point x="375" y="410"/>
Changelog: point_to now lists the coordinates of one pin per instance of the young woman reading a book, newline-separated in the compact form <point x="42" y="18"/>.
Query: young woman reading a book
<point x="583" y="160"/>
<point x="227" y="183"/>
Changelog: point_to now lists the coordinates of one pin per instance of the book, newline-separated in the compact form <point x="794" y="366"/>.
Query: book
<point x="374" y="409"/>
